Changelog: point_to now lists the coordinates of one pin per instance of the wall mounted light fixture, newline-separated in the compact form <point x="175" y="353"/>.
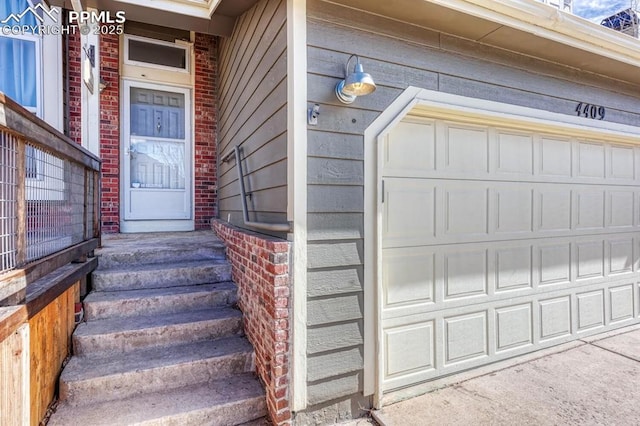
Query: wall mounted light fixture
<point x="356" y="83"/>
<point x="102" y="85"/>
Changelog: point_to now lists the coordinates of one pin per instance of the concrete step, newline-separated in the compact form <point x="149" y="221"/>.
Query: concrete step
<point x="104" y="377"/>
<point x="121" y="250"/>
<point x="224" y="402"/>
<point x="130" y="303"/>
<point x="120" y="335"/>
<point x="161" y="275"/>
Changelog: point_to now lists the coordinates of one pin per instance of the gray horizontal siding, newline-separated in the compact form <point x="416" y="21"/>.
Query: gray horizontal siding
<point x="334" y="254"/>
<point x="334" y="336"/>
<point x="334" y="389"/>
<point x="253" y="114"/>
<point x="339" y="146"/>
<point x="334" y="309"/>
<point x="334" y="363"/>
<point x="328" y="282"/>
<point x="397" y="55"/>
<point x="334" y="226"/>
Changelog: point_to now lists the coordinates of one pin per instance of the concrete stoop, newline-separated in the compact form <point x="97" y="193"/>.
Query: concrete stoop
<point x="162" y="344"/>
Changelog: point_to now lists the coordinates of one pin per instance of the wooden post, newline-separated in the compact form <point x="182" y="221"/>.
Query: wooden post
<point x="21" y="203"/>
<point x="96" y="206"/>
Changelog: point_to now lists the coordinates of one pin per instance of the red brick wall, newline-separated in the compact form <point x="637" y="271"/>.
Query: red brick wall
<point x="110" y="133"/>
<point x="260" y="268"/>
<point x="74" y="77"/>
<point x="206" y="76"/>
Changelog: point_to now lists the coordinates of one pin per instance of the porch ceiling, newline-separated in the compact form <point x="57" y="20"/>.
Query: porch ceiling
<point x="523" y="26"/>
<point x="215" y="17"/>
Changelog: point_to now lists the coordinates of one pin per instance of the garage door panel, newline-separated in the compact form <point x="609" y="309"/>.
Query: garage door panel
<point x="408" y="277"/>
<point x="554" y="206"/>
<point x="514" y="153"/>
<point x="556" y="157"/>
<point x="451" y="340"/>
<point x="554" y="262"/>
<point x="465" y="274"/>
<point x="502" y="241"/>
<point x="514" y="327"/>
<point x="514" y="210"/>
<point x="621" y="255"/>
<point x="452" y="211"/>
<point x="621" y="208"/>
<point x="465" y="337"/>
<point x="418" y="139"/>
<point x="590" y="310"/>
<point x="410" y="349"/>
<point x="590" y="209"/>
<point x="555" y="318"/>
<point x="622" y="162"/>
<point x="514" y="268"/>
<point x="430" y="278"/>
<point x="621" y="303"/>
<point x="591" y="160"/>
<point x="466" y="150"/>
<point x="466" y="210"/>
<point x="590" y="259"/>
<point x="415" y="224"/>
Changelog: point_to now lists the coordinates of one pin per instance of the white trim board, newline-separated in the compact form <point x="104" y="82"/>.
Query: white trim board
<point x="297" y="189"/>
<point x="550" y="23"/>
<point x="428" y="103"/>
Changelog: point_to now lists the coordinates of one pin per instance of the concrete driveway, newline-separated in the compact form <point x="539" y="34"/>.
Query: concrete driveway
<point x="595" y="381"/>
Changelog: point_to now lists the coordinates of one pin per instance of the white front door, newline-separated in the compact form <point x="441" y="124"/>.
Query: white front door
<point x="157" y="152"/>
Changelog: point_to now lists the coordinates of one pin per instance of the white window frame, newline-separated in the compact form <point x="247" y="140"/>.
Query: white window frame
<point x="185" y="47"/>
<point x="38" y="110"/>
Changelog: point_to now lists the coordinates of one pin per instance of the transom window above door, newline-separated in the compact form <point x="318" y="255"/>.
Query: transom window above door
<point x="156" y="53"/>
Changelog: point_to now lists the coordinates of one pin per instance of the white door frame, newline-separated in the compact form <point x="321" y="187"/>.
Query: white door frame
<point x="429" y="103"/>
<point x="153" y="225"/>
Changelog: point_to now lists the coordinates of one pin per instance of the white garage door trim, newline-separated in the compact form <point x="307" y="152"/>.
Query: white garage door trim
<point x="426" y="103"/>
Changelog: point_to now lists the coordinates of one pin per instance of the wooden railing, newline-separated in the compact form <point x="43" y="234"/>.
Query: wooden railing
<point x="49" y="227"/>
<point x="49" y="201"/>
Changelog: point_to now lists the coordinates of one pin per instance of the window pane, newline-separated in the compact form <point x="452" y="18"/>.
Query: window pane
<point x="157" y="54"/>
<point x="157" y="113"/>
<point x="18" y="70"/>
<point x="157" y="164"/>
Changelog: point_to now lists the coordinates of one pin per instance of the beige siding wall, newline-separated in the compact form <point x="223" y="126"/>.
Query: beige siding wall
<point x="397" y="55"/>
<point x="253" y="114"/>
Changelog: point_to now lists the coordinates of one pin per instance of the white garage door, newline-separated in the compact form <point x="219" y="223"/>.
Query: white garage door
<point x="497" y="242"/>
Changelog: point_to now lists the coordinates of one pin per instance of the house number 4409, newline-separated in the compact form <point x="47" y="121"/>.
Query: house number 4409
<point x="595" y="112"/>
